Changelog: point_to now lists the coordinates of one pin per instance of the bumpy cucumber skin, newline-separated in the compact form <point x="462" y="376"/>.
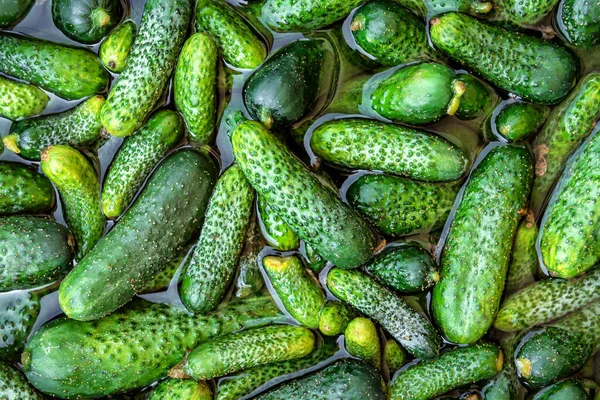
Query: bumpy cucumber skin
<point x="247" y="349"/>
<point x="300" y="294"/>
<point x="519" y="120"/>
<point x="163" y="278"/>
<point x="505" y="385"/>
<point x="211" y="267"/>
<point x="335" y="317"/>
<point x="71" y="73"/>
<point x="250" y="279"/>
<point x="78" y="367"/>
<point x="578" y="22"/>
<point x="177" y="389"/>
<point x="451" y="370"/>
<point x="362" y="341"/>
<point x="86" y="21"/>
<point x="394" y="356"/>
<point x="311" y="209"/>
<point x="14" y="386"/>
<point x="425" y="8"/>
<point x="304" y="15"/>
<point x="78" y="127"/>
<point x="477" y="251"/>
<point x="567" y="126"/>
<point x="570" y="389"/>
<point x="524" y="13"/>
<point x="477" y="98"/>
<point x="135" y="159"/>
<point x="160" y="222"/>
<point x="20" y="100"/>
<point x="13" y="11"/>
<point x="532" y="68"/>
<point x="152" y="59"/>
<point x="524" y="261"/>
<point x="367" y="144"/>
<point x="18" y="313"/>
<point x="278" y="234"/>
<point x="413" y="331"/>
<point x="24" y="191"/>
<point x="114" y="50"/>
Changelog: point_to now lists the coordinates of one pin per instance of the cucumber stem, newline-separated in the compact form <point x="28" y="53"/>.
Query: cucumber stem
<point x="10" y="142"/>
<point x="459" y="89"/>
<point x="100" y="17"/>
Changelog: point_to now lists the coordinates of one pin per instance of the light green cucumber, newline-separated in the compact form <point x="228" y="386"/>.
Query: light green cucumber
<point x="362" y="341"/>
<point x="14" y="386"/>
<point x="304" y="15"/>
<point x="178" y="389"/>
<point x="335" y="317"/>
<point x="523" y="265"/>
<point x="250" y="279"/>
<point x="394" y="356"/>
<point x="519" y="120"/>
<point x="20" y="100"/>
<point x="278" y="234"/>
<point x="24" y="191"/>
<point x="114" y="50"/>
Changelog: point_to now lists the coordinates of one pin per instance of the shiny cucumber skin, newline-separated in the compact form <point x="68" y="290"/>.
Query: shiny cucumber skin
<point x="247" y="349"/>
<point x="534" y="69"/>
<point x="86" y="21"/>
<point x="152" y="59"/>
<point x="155" y="335"/>
<point x="570" y="389"/>
<point x="304" y="15"/>
<point x="24" y="191"/>
<point x="311" y="209"/>
<point x="505" y="385"/>
<point x="523" y="265"/>
<point x="568" y="125"/>
<point x="478" y="98"/>
<point x="477" y="251"/>
<point x="250" y="279"/>
<point x="69" y="72"/>
<point x="523" y="13"/>
<point x="135" y="159"/>
<point x="362" y="341"/>
<point x="412" y="330"/>
<point x="114" y="50"/>
<point x="18" y="313"/>
<point x="425" y="8"/>
<point x="335" y="317"/>
<point x="299" y="292"/>
<point x="78" y="127"/>
<point x="152" y="231"/>
<point x="394" y="356"/>
<point x="13" y="11"/>
<point x="178" y="389"/>
<point x="212" y="265"/>
<point x="399" y="206"/>
<point x="239" y="45"/>
<point x="14" y="386"/>
<point x="278" y="234"/>
<point x="195" y="86"/>
<point x="79" y="189"/>
<point x="519" y="120"/>
<point x="357" y="143"/>
<point x="20" y="100"/>
<point x="578" y="22"/>
<point x="451" y="370"/>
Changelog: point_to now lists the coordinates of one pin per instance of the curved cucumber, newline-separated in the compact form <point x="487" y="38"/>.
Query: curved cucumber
<point x="20" y="100"/>
<point x="13" y="11"/>
<point x="335" y="317"/>
<point x="362" y="341"/>
<point x="523" y="265"/>
<point x="277" y="233"/>
<point x="519" y="120"/>
<point x="114" y="50"/>
<point x="394" y="356"/>
<point x="578" y="22"/>
<point x="305" y="15"/>
<point x="18" y="313"/>
<point x="86" y="21"/>
<point x="177" y="389"/>
<point x="24" y="191"/>
<point x="250" y="279"/>
<point x="570" y="389"/>
<point x="14" y="386"/>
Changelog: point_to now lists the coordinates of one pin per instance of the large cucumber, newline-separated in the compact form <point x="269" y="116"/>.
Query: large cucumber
<point x="24" y="191"/>
<point x="305" y="15"/>
<point x="20" y="100"/>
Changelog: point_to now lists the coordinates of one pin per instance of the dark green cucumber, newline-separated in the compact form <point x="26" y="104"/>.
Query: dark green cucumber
<point x="210" y="269"/>
<point x="13" y="11"/>
<point x="24" y="191"/>
<point x="79" y="189"/>
<point x="78" y="127"/>
<point x="277" y="233"/>
<point x="71" y="73"/>
<point x="250" y="279"/>
<point x="178" y="389"/>
<point x="304" y="15"/>
<point x="570" y="389"/>
<point x="413" y="331"/>
<point x="14" y="386"/>
<point x="477" y="99"/>
<point x="451" y="370"/>
<point x="299" y="292"/>
<point x="358" y="143"/>
<point x="534" y="69"/>
<point x="335" y="317"/>
<point x="154" y="229"/>
<point x="140" y="86"/>
<point x="311" y="209"/>
<point x="20" y="100"/>
<point x="523" y="265"/>
<point x="86" y="21"/>
<point x="362" y="340"/>
<point x="155" y="335"/>
<point x="136" y="158"/>
<point x="522" y="13"/>
<point x="247" y="349"/>
<point x="476" y="254"/>
<point x="505" y="385"/>
<point x="163" y="278"/>
<point x="399" y="206"/>
<point x="114" y="50"/>
<point x="519" y="120"/>
<point x="578" y="22"/>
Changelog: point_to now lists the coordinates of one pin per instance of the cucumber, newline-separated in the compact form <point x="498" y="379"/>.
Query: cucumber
<point x="69" y="72"/>
<point x="24" y="191"/>
<point x="114" y="50"/>
<point x="335" y="317"/>
<point x="413" y="331"/>
<point x="394" y="356"/>
<point x="519" y="120"/>
<point x="136" y="158"/>
<point x="522" y="13"/>
<point x="14" y="386"/>
<point x="536" y="70"/>
<point x="79" y="189"/>
<point x="78" y="127"/>
<point x="477" y="100"/>
<point x="314" y="261"/>
<point x="362" y="341"/>
<point x="399" y="206"/>
<point x="152" y="59"/>
<point x="249" y="279"/>
<point x="13" y="11"/>
<point x="570" y="389"/>
<point x="155" y="335"/>
<point x="523" y="265"/>
<point x="20" y="100"/>
<point x="304" y="15"/>
<point x="311" y="209"/>
<point x="277" y="233"/>
<point x="505" y="385"/>
<point x="475" y="258"/>
<point x="451" y="370"/>
<point x="300" y="294"/>
<point x="578" y="21"/>
<point x="163" y="278"/>
<point x="177" y="389"/>
<point x="237" y="351"/>
<point x="427" y="8"/>
<point x="210" y="269"/>
<point x="86" y="21"/>
<point x="357" y="143"/>
<point x="154" y="229"/>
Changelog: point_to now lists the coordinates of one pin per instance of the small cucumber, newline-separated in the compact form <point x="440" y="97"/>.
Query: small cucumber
<point x="335" y="317"/>
<point x="278" y="234"/>
<point x="86" y="21"/>
<point x="250" y="279"/>
<point x="163" y="279"/>
<point x="394" y="356"/>
<point x="519" y="120"/>
<point x="114" y="50"/>
<point x="523" y="265"/>
<point x="20" y="100"/>
<point x="313" y="259"/>
<point x="14" y="386"/>
<point x="178" y="389"/>
<point x="522" y="13"/>
<point x="578" y="22"/>
<point x="305" y="15"/>
<point x="24" y="191"/>
<point x="13" y="11"/>
<point x="477" y="100"/>
<point x="570" y="389"/>
<point x="505" y="385"/>
<point x="362" y="341"/>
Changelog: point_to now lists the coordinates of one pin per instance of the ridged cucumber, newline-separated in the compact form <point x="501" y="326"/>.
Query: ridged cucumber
<point x="304" y="15"/>
<point x="24" y="191"/>
<point x="277" y="233"/>
<point x="519" y="120"/>
<point x="114" y="50"/>
<point x="523" y="265"/>
<point x="362" y="341"/>
<point x="14" y="386"/>
<point x="335" y="317"/>
<point x="20" y="100"/>
<point x="250" y="279"/>
<point x="178" y="389"/>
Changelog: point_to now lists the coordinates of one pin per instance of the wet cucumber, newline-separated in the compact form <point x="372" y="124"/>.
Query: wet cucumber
<point x="14" y="386"/>
<point x="523" y="13"/>
<point x="163" y="279"/>
<point x="20" y="100"/>
<point x="278" y="234"/>
<point x="394" y="356"/>
<point x="523" y="265"/>
<point x="86" y="21"/>
<point x="24" y="191"/>
<point x="178" y="389"/>
<point x="578" y="22"/>
<point x="250" y="279"/>
<point x="18" y="313"/>
<point x="477" y="100"/>
<point x="311" y="209"/>
<point x="426" y="8"/>
<point x="505" y="385"/>
<point x="154" y="229"/>
<point x="335" y="317"/>
<point x="304" y="15"/>
<point x="142" y="83"/>
<point x="114" y="50"/>
<point x="570" y="389"/>
<point x="13" y="11"/>
<point x="135" y="159"/>
<point x="476" y="254"/>
<point x="519" y="120"/>
<point x="362" y="341"/>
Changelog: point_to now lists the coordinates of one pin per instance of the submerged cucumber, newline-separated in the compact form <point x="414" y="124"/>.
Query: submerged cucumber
<point x="478" y="99"/>
<point x="570" y="389"/>
<point x="305" y="15"/>
<point x="578" y="22"/>
<point x="394" y="356"/>
<point x="20" y="100"/>
<point x="178" y="389"/>
<point x="86" y="21"/>
<point x="519" y="120"/>
<point x="24" y="191"/>
<point x="505" y="385"/>
<point x="362" y="341"/>
<point x="335" y="317"/>
<point x="163" y="279"/>
<point x="14" y="386"/>
<point x="114" y="50"/>
<point x="277" y="233"/>
<point x="523" y="265"/>
<point x="13" y="11"/>
<point x="250" y="279"/>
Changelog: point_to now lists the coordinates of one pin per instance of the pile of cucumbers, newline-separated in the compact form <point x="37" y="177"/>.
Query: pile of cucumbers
<point x="300" y="199"/>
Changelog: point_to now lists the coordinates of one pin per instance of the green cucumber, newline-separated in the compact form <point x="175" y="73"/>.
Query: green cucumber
<point x="152" y="59"/>
<point x="250" y="279"/>
<point x="570" y="389"/>
<point x="522" y="13"/>
<point x="362" y="341"/>
<point x="78" y="127"/>
<point x="178" y="389"/>
<point x="394" y="356"/>
<point x="578" y="22"/>
<point x="357" y="143"/>
<point x="155" y="335"/>
<point x="476" y="254"/>
<point x="399" y="206"/>
<point x="451" y="370"/>
<point x="314" y="261"/>
<point x="69" y="72"/>
<point x="20" y="100"/>
<point x="277" y="233"/>
<point x="523" y="265"/>
<point x="311" y="209"/>
<point x="299" y="292"/>
<point x="247" y="349"/>
<point x="24" y="191"/>
<point x="412" y="330"/>
<point x="426" y="8"/>
<point x="505" y="385"/>
<point x="152" y="231"/>
<point x="114" y="50"/>
<point x="210" y="269"/>
<point x="335" y="317"/>
<point x="163" y="278"/>
<point x="86" y="21"/>
<point x="14" y="386"/>
<point x="305" y="15"/>
<point x="13" y="11"/>
<point x="536" y="70"/>
<point x="519" y="120"/>
<point x="135" y="159"/>
<point x="477" y="100"/>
